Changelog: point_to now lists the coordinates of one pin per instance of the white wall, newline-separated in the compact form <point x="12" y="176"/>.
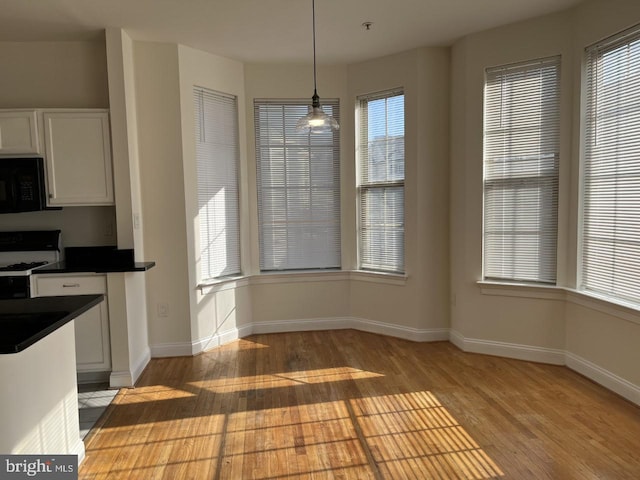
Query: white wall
<point x="288" y="300"/>
<point x="218" y="314"/>
<point x="53" y="75"/>
<point x="422" y="303"/>
<point x="162" y="189"/>
<point x="127" y="292"/>
<point x="602" y="339"/>
<point x="165" y="75"/>
<point x="474" y="315"/>
<point x="539" y="324"/>
<point x="202" y="318"/>
<point x="81" y="226"/>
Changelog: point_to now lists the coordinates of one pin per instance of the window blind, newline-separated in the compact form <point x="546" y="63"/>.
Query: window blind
<point x="298" y="177"/>
<point x="521" y="159"/>
<point x="217" y="152"/>
<point x="610" y="253"/>
<point x="381" y="182"/>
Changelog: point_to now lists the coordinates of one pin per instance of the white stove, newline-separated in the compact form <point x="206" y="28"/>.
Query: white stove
<point x="21" y="254"/>
<point x="20" y="269"/>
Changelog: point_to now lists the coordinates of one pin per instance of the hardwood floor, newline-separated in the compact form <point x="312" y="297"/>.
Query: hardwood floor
<point x="353" y="405"/>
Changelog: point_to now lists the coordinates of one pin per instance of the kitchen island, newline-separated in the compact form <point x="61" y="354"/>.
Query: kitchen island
<point x="38" y="401"/>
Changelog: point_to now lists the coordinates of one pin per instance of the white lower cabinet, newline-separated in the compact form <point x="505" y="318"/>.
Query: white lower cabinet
<point x="93" y="346"/>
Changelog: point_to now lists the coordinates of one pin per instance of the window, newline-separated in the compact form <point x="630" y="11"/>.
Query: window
<point x="298" y="177"/>
<point x="380" y="160"/>
<point x="216" y="132"/>
<point x="610" y="251"/>
<point x="521" y="160"/>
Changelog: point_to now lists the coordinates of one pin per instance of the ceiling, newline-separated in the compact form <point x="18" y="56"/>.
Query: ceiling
<point x="270" y="30"/>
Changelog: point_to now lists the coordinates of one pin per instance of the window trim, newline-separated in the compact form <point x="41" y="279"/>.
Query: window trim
<point x="200" y="91"/>
<point x="596" y="50"/>
<point x="539" y="180"/>
<point x="334" y="103"/>
<point x="386" y="274"/>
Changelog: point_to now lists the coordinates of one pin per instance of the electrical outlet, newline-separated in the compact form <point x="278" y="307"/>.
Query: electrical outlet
<point x="163" y="310"/>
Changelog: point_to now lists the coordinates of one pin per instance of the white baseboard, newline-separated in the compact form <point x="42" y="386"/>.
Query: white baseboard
<point x="141" y="364"/>
<point x="218" y="339"/>
<point x="120" y="379"/>
<point x="510" y="350"/>
<point x="590" y="370"/>
<point x="605" y="378"/>
<point x="92" y="377"/>
<point x="127" y="378"/>
<point x="78" y="449"/>
<point x="182" y="349"/>
<point x="406" y="333"/>
<point x="186" y="349"/>
<point x="304" y="325"/>
<point x="340" y="323"/>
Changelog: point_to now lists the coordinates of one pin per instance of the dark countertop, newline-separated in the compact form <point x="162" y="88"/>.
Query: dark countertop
<point x="25" y="321"/>
<point x="98" y="267"/>
<point x="103" y="259"/>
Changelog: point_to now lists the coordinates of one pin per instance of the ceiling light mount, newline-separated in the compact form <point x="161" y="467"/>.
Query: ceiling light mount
<point x="316" y="121"/>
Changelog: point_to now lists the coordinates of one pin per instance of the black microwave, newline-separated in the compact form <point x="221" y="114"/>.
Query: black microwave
<point x="22" y="185"/>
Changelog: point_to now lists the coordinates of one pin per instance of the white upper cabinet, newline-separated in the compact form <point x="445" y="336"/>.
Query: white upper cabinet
<point x="19" y="132"/>
<point x="78" y="157"/>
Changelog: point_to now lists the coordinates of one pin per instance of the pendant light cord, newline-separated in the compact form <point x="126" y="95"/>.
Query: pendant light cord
<point x="313" y="17"/>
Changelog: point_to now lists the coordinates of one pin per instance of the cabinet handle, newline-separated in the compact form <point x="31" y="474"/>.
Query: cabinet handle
<point x="70" y="285"/>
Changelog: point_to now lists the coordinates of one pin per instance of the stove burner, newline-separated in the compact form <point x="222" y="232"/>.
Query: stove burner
<point x="20" y="267"/>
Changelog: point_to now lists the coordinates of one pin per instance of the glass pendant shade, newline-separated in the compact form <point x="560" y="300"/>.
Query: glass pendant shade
<point x="316" y="121"/>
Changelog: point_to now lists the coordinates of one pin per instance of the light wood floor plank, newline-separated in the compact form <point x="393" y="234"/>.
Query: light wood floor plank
<point x="353" y="405"/>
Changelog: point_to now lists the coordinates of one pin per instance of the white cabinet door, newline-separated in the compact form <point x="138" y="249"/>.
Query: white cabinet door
<point x="93" y="345"/>
<point x="92" y="340"/>
<point x="19" y="132"/>
<point x="78" y="158"/>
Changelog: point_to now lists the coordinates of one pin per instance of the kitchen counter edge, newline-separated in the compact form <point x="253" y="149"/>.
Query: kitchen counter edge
<point x="63" y="309"/>
<point x="62" y="267"/>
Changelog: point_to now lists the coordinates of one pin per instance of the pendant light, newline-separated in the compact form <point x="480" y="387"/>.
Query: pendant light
<point x="316" y="121"/>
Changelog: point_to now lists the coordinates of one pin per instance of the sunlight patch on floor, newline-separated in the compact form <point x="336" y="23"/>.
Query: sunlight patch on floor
<point x="370" y="437"/>
<point x="413" y="431"/>
<point x="156" y="393"/>
<point x="285" y="379"/>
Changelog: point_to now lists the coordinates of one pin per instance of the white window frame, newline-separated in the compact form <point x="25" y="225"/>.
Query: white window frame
<point x="521" y="162"/>
<point x="217" y="163"/>
<point x="392" y="262"/>
<point x="610" y="272"/>
<point x="289" y="239"/>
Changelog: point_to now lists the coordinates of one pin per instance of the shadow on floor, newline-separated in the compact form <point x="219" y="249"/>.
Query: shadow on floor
<point x="93" y="400"/>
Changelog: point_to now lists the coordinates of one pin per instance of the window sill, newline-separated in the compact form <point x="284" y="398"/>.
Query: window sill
<point x="227" y="283"/>
<point x="379" y="277"/>
<point x="522" y="290"/>
<point x="618" y="308"/>
<point x="624" y="310"/>
<point x="299" y="276"/>
<point x="267" y="278"/>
